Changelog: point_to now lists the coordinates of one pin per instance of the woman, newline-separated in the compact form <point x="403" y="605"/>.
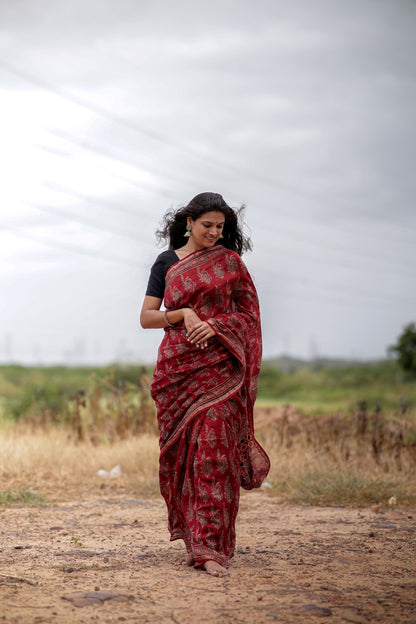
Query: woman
<point x="205" y="380"/>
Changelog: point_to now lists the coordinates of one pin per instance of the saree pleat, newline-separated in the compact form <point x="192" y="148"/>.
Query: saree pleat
<point x="204" y="401"/>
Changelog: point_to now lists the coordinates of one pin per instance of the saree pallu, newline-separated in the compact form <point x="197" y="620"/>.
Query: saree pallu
<point x="204" y="400"/>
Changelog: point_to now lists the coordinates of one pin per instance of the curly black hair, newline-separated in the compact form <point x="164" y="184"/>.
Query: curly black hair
<point x="174" y="222"/>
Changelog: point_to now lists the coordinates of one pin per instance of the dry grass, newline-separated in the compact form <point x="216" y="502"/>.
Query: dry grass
<point x="358" y="459"/>
<point x="304" y="475"/>
<point x="52" y="462"/>
<point x="319" y="460"/>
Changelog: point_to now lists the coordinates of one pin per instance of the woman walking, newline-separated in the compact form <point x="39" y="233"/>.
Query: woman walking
<point x="205" y="381"/>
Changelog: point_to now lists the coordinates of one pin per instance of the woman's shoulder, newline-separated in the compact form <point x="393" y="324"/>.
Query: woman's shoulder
<point x="166" y="257"/>
<point x="156" y="283"/>
<point x="168" y="253"/>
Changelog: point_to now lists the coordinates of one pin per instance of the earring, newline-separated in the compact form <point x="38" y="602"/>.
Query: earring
<point x="188" y="231"/>
<point x="221" y="236"/>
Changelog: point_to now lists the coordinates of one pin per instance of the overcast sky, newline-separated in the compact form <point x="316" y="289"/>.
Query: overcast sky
<point x="113" y="111"/>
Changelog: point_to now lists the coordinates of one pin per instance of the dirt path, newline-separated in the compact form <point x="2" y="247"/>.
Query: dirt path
<point x="293" y="564"/>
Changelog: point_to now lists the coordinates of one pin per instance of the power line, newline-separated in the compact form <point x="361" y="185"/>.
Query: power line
<point x="78" y="101"/>
<point x="294" y="234"/>
<point x="125" y="262"/>
<point x="304" y="282"/>
<point x="337" y="246"/>
<point x="264" y="247"/>
<point x="334" y="288"/>
<point x="110" y="116"/>
<point x="84" y="220"/>
<point x="103" y="150"/>
<point x="102" y="112"/>
<point x="115" y="118"/>
<point x="75" y="249"/>
<point x="86" y="146"/>
<point x="96" y="148"/>
<point x="31" y="221"/>
<point x="278" y="248"/>
<point x="94" y="224"/>
<point x="154" y="136"/>
<point x="90" y="199"/>
<point x="350" y="303"/>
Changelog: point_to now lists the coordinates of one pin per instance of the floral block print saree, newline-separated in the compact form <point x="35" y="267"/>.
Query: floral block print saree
<point x="204" y="400"/>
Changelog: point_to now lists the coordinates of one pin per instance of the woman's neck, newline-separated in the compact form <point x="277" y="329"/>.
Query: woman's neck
<point x="187" y="249"/>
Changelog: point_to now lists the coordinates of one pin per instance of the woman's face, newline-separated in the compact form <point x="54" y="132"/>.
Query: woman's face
<point x="207" y="229"/>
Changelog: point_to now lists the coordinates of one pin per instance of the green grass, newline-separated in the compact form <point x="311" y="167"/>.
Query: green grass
<point x="24" y="496"/>
<point x="44" y="393"/>
<point x="331" y="390"/>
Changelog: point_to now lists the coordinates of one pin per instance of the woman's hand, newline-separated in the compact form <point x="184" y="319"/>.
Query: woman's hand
<point x="198" y="331"/>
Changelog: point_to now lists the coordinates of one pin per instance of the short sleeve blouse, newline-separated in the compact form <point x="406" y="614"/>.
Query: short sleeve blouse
<point x="156" y="283"/>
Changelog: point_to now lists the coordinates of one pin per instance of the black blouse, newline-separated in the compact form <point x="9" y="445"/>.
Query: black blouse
<point x="156" y="283"/>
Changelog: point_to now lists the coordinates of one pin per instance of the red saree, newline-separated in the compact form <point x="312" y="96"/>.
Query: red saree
<point x="204" y="401"/>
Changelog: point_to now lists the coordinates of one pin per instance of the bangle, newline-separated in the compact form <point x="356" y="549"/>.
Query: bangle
<point x="165" y="316"/>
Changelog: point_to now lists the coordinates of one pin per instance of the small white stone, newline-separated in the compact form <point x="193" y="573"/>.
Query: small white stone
<point x="115" y="472"/>
<point x="103" y="474"/>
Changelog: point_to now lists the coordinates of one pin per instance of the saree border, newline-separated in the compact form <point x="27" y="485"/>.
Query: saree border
<point x="191" y="261"/>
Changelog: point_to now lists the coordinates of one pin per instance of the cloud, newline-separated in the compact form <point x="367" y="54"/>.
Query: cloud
<point x="304" y="110"/>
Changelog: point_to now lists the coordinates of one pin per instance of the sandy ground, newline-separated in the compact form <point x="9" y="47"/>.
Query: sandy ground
<point x="108" y="559"/>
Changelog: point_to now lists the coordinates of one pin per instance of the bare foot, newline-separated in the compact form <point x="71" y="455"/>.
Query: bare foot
<point x="188" y="560"/>
<point x="215" y="569"/>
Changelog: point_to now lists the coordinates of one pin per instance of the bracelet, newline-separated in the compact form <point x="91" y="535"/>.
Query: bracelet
<point x="165" y="316"/>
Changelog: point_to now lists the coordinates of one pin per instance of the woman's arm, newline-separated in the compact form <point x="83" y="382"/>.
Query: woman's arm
<point x="152" y="317"/>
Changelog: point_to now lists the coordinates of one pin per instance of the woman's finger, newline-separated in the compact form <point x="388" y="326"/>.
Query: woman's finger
<point x="196" y="333"/>
<point x="200" y="334"/>
<point x="193" y="329"/>
<point x="193" y="337"/>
